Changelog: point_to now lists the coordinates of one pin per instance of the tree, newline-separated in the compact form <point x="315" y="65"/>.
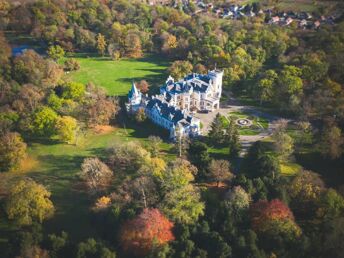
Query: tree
<point x="71" y="64"/>
<point x="140" y="115"/>
<point x="305" y="190"/>
<point x="91" y="248"/>
<point x="143" y="86"/>
<point x="266" y="85"/>
<point x="179" y="69"/>
<point x="219" y="171"/>
<point x="56" y="52"/>
<point x="216" y="133"/>
<point x="149" y="228"/>
<point x="284" y="144"/>
<point x="44" y="122"/>
<point x="199" y="156"/>
<point x="331" y="205"/>
<point x="57" y="243"/>
<point x="96" y="174"/>
<point x="28" y="202"/>
<point x="66" y="128"/>
<point x="154" y="145"/>
<point x="238" y="198"/>
<point x="101" y="44"/>
<point x="331" y="144"/>
<point x="200" y="69"/>
<point x="232" y="138"/>
<point x="12" y="151"/>
<point x="181" y="201"/>
<point x="268" y="217"/>
<point x="133" y="46"/>
<point x="73" y="90"/>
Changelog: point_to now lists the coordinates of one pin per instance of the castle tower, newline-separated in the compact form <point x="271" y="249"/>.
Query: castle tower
<point x="216" y="77"/>
<point x="134" y="96"/>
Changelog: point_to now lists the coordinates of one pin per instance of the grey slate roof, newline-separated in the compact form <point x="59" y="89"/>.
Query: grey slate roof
<point x="169" y="112"/>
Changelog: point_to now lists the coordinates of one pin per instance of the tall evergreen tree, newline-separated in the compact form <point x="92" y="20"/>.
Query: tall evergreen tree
<point x="216" y="133"/>
<point x="232" y="138"/>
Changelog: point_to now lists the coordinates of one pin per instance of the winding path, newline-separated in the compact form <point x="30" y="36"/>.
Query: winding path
<point x="232" y="105"/>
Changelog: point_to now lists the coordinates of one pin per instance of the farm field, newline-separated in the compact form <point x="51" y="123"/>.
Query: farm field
<point x="116" y="76"/>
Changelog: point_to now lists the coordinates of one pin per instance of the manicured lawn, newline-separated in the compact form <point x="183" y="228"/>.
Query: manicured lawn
<point x="116" y="76"/>
<point x="258" y="123"/>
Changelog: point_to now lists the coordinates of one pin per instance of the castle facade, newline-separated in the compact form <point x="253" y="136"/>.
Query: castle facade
<point x="174" y="108"/>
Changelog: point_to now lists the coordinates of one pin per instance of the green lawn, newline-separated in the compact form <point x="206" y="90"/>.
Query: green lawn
<point x="258" y="123"/>
<point x="116" y="76"/>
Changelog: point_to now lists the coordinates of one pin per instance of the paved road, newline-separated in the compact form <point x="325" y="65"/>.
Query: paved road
<point x="233" y="105"/>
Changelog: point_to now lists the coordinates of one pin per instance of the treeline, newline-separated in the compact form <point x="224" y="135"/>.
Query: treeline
<point x="145" y="206"/>
<point x="298" y="72"/>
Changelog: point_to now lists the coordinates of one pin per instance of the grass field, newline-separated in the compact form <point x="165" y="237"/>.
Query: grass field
<point x="116" y="76"/>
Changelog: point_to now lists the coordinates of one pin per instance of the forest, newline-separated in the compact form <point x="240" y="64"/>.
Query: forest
<point x="80" y="178"/>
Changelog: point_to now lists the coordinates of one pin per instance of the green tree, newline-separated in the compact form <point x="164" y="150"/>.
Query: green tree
<point x="331" y="143"/>
<point x="217" y="130"/>
<point x="91" y="248"/>
<point x="28" y="202"/>
<point x="199" y="156"/>
<point x="181" y="201"/>
<point x="266" y="86"/>
<point x="66" y="129"/>
<point x="101" y="44"/>
<point x="44" y="122"/>
<point x="56" y="52"/>
<point x="73" y="90"/>
<point x="232" y="138"/>
<point x="12" y="151"/>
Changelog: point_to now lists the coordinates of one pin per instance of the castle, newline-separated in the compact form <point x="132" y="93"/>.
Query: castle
<point x="174" y="107"/>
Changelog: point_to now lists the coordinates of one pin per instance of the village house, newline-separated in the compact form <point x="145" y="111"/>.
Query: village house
<point x="174" y="107"/>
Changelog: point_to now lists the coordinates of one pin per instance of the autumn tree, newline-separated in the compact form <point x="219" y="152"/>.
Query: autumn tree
<point x="200" y="69"/>
<point x="12" y="151"/>
<point x="140" y="115"/>
<point x="133" y="46"/>
<point x="99" y="109"/>
<point x="150" y="228"/>
<point x="219" y="171"/>
<point x="143" y="86"/>
<point x="55" y="52"/>
<point x="267" y="217"/>
<point x="181" y="201"/>
<point x="66" y="129"/>
<point x="101" y="44"/>
<point x="29" y="201"/>
<point x="266" y="86"/>
<point x="95" y="174"/>
<point x="44" y="122"/>
<point x="71" y="64"/>
<point x="179" y="69"/>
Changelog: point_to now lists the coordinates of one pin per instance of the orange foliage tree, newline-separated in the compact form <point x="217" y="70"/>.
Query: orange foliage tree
<point x="273" y="215"/>
<point x="138" y="235"/>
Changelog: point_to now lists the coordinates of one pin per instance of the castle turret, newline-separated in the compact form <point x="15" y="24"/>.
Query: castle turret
<point x="134" y="95"/>
<point x="216" y="77"/>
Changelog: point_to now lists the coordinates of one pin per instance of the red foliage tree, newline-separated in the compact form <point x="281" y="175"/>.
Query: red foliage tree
<point x="138" y="235"/>
<point x="264" y="211"/>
